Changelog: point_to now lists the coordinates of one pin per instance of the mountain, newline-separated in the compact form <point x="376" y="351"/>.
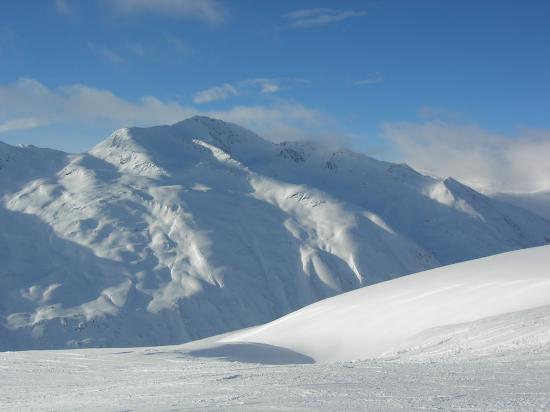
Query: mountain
<point x="490" y="306"/>
<point x="168" y="234"/>
<point x="536" y="202"/>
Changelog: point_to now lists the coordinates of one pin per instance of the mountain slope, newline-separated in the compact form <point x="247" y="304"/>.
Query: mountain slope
<point x="173" y="233"/>
<point x="485" y="306"/>
<point x="536" y="202"/>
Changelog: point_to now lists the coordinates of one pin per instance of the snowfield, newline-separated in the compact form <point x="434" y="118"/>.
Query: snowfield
<point x="470" y="336"/>
<point x="161" y="379"/>
<point x="508" y="294"/>
<point x="170" y="234"/>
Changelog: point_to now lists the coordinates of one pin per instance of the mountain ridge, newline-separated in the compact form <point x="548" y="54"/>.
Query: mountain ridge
<point x="172" y="233"/>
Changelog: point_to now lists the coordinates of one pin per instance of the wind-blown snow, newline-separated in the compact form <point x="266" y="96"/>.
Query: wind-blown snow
<point x="443" y="311"/>
<point x="173" y="233"/>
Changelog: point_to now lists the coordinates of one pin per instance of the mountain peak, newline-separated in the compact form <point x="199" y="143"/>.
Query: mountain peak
<point x="162" y="150"/>
<point x="217" y="132"/>
<point x="200" y="119"/>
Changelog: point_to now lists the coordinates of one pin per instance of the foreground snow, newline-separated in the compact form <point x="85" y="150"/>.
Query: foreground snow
<point x="166" y="379"/>
<point x="471" y="336"/>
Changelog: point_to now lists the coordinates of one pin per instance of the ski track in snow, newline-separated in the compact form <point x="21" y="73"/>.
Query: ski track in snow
<point x="162" y="378"/>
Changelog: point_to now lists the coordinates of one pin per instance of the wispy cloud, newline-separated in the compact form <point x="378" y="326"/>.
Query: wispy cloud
<point x="29" y="99"/>
<point x="106" y="54"/>
<point x="279" y="121"/>
<point x="179" y="45"/>
<point x="227" y="90"/>
<point x="137" y="49"/>
<point x="319" y="16"/>
<point x="208" y="11"/>
<point x="266" y="86"/>
<point x="111" y="56"/>
<point x="373" y="78"/>
<point x="22" y="123"/>
<point x="29" y="104"/>
<point x="485" y="160"/>
<point x="214" y="94"/>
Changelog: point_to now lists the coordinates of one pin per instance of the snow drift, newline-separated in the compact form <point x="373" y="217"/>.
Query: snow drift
<point x="485" y="306"/>
<point x="173" y="233"/>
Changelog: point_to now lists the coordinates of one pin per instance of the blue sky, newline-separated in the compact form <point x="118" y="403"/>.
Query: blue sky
<point x="389" y="78"/>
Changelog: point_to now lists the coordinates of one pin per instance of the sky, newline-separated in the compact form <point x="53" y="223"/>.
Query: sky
<point x="459" y="88"/>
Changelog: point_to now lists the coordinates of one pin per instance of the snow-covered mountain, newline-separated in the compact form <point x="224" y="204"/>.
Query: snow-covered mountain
<point x="490" y="306"/>
<point x="536" y="202"/>
<point x="173" y="233"/>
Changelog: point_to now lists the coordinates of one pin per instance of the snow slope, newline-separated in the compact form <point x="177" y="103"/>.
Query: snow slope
<point x="485" y="306"/>
<point x="536" y="202"/>
<point x="173" y="233"/>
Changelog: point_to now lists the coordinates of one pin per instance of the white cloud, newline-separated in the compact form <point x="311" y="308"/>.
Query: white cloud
<point x="269" y="88"/>
<point x="27" y="104"/>
<point x="266" y="85"/>
<point x="214" y="94"/>
<point x="28" y="98"/>
<point x="319" y="17"/>
<point x="277" y="122"/>
<point x="208" y="11"/>
<point x="487" y="161"/>
<point x="371" y="79"/>
<point x="22" y="123"/>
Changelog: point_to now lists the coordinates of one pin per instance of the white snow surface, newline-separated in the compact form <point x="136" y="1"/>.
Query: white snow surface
<point x="497" y="358"/>
<point x="490" y="305"/>
<point x="164" y="379"/>
<point x="169" y="234"/>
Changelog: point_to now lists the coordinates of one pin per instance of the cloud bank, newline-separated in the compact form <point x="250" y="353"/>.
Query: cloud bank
<point x="28" y="104"/>
<point x="487" y="161"/>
